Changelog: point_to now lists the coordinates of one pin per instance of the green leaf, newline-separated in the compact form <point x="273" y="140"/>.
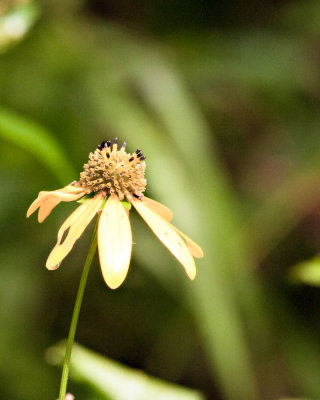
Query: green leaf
<point x="36" y="140"/>
<point x="117" y="381"/>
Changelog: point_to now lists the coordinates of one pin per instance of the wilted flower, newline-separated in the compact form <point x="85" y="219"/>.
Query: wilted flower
<point x="110" y="176"/>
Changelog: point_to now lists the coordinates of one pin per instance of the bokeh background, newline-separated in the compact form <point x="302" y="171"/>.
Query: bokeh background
<point x="223" y="98"/>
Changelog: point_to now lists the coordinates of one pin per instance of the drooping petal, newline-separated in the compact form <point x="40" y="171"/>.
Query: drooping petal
<point x="75" y="225"/>
<point x="168" y="236"/>
<point x="48" y="200"/>
<point x="194" y="248"/>
<point x="36" y="204"/>
<point x="158" y="208"/>
<point x="167" y="214"/>
<point x="75" y="219"/>
<point x="114" y="242"/>
<point x="46" y="207"/>
<point x="51" y="201"/>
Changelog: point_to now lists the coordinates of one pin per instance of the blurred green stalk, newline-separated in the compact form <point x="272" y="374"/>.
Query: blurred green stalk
<point x="75" y="315"/>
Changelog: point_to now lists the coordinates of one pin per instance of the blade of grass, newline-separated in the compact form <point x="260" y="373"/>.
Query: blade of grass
<point x="117" y="381"/>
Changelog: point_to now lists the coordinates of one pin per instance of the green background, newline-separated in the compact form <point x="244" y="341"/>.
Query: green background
<point x="223" y="98"/>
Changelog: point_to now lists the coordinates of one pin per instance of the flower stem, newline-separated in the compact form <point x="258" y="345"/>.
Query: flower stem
<point x="75" y="315"/>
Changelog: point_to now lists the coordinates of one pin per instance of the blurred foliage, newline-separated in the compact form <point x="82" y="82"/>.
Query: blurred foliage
<point x="114" y="381"/>
<point x="306" y="272"/>
<point x="16" y="18"/>
<point x="35" y="140"/>
<point x="228" y="115"/>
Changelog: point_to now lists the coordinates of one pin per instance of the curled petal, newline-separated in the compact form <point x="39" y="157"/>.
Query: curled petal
<point x="36" y="204"/>
<point x="114" y="242"/>
<point x="46" y="207"/>
<point x="75" y="224"/>
<point x="158" y="208"/>
<point x="168" y="236"/>
<point x="46" y="201"/>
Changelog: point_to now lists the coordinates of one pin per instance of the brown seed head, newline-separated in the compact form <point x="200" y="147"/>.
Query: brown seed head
<point x="115" y="171"/>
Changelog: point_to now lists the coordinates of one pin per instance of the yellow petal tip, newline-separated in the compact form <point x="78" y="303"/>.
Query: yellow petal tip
<point x="199" y="254"/>
<point x="192" y="276"/>
<point x="51" y="267"/>
<point x="29" y="212"/>
<point x="114" y="283"/>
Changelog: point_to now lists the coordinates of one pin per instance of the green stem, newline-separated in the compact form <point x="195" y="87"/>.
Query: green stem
<point x="75" y="315"/>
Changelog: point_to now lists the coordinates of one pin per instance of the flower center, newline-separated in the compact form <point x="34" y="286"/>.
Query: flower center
<point x="115" y="171"/>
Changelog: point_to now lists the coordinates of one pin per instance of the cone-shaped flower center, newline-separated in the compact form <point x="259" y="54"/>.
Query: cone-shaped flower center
<point x="115" y="171"/>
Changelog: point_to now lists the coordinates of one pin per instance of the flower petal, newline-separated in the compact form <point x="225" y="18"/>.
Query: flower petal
<point x="46" y="207"/>
<point x="35" y="204"/>
<point x="168" y="236"/>
<point x="48" y="200"/>
<point x="66" y="190"/>
<point x="51" y="201"/>
<point x="114" y="242"/>
<point x="158" y="208"/>
<point x="167" y="214"/>
<point x="193" y="247"/>
<point x="76" y="223"/>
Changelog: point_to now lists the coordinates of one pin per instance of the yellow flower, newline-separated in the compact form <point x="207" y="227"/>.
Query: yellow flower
<point x="113" y="175"/>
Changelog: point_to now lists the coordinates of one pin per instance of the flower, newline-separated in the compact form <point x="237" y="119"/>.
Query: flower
<point x="110" y="176"/>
